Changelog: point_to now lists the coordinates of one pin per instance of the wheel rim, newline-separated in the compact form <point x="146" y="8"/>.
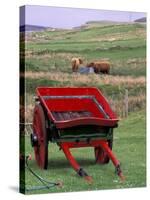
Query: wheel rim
<point x="39" y="129"/>
<point x="100" y="155"/>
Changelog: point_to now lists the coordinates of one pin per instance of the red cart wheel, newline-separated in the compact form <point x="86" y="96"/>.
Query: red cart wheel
<point x="39" y="132"/>
<point x="100" y="155"/>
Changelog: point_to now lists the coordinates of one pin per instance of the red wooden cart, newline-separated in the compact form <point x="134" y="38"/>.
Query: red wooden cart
<point x="73" y="118"/>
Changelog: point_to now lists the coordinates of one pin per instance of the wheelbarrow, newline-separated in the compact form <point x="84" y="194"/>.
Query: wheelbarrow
<point x="73" y="118"/>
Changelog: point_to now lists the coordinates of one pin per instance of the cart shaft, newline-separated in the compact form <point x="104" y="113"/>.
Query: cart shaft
<point x="65" y="146"/>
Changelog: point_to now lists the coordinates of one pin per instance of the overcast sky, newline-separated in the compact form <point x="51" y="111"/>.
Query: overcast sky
<point x="58" y="17"/>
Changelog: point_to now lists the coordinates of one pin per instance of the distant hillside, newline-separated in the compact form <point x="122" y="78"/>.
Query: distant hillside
<point x="31" y="28"/>
<point x="143" y="19"/>
<point x="100" y="21"/>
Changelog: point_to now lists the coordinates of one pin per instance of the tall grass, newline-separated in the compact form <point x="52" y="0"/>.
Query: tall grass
<point x="91" y="79"/>
<point x="113" y="87"/>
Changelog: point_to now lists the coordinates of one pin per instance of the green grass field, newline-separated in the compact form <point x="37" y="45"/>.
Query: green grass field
<point x="129" y="146"/>
<point x="48" y="57"/>
<point x="124" y="45"/>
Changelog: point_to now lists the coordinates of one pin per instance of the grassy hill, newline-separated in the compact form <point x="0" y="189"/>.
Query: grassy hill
<point x="124" y="45"/>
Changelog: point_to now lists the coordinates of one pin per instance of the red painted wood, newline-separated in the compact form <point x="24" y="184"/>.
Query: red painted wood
<point x="76" y="105"/>
<point x="65" y="146"/>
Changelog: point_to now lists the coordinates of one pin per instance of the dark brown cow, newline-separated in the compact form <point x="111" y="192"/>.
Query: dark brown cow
<point x="76" y="62"/>
<point x="100" y="67"/>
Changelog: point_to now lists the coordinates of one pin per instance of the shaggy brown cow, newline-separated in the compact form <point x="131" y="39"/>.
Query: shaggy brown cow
<point x="76" y="62"/>
<point x="100" y="66"/>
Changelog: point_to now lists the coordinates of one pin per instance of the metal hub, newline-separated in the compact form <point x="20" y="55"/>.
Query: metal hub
<point x="34" y="140"/>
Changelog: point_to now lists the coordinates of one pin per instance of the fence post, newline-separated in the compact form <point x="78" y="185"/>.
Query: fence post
<point x="126" y="102"/>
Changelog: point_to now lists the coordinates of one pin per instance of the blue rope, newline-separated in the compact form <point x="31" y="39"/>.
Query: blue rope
<point x="46" y="184"/>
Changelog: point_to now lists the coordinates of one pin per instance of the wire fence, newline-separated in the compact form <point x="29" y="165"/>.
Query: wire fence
<point x="26" y="128"/>
<point x="127" y="101"/>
